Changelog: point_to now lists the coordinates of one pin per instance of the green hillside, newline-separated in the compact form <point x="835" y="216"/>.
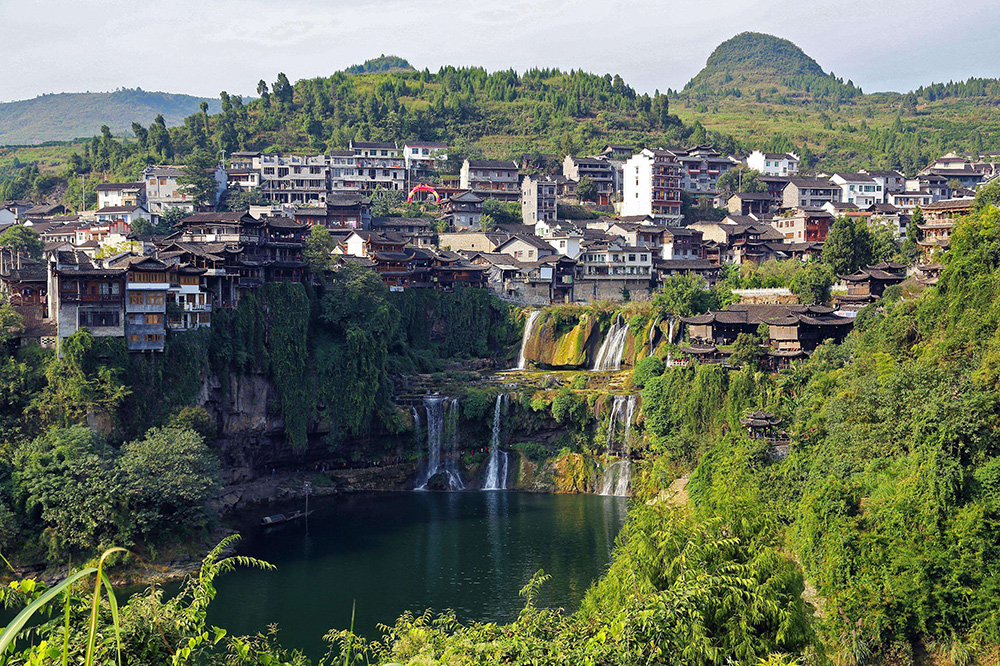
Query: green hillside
<point x="68" y="116"/>
<point x="767" y="93"/>
<point x="383" y="63"/>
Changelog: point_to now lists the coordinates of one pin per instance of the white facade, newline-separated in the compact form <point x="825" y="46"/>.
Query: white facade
<point x="637" y="185"/>
<point x="164" y="192"/>
<point x="774" y="164"/>
<point x="859" y="189"/>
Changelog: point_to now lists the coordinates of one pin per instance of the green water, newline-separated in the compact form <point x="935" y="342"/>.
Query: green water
<point x="470" y="552"/>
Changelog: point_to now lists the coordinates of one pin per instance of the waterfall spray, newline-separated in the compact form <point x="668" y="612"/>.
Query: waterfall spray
<point x="609" y="356"/>
<point x="529" y="326"/>
<point x="496" y="470"/>
<point x="436" y="439"/>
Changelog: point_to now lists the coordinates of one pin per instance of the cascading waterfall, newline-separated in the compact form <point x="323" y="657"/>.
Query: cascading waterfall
<point x="617" y="477"/>
<point x="496" y="469"/>
<point x="653" y="330"/>
<point x="671" y="330"/>
<point x="609" y="356"/>
<point x="435" y="408"/>
<point x="529" y="326"/>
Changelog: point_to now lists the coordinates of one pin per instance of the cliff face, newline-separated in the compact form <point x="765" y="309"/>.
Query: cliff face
<point x="567" y="350"/>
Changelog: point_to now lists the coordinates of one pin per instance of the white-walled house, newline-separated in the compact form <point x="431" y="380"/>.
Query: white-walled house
<point x="774" y="164"/>
<point x="651" y="186"/>
<point x="859" y="189"/>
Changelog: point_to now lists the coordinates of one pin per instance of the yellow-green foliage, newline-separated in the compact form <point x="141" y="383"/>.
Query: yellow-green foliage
<point x="574" y="472"/>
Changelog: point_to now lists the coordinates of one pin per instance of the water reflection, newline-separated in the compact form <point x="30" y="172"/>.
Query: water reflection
<point x="470" y="552"/>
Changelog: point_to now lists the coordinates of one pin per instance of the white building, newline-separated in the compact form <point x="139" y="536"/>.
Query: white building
<point x="651" y="185"/>
<point x="538" y="199"/>
<point x="859" y="189"/>
<point x="424" y="158"/>
<point x="774" y="164"/>
<point x="379" y="166"/>
<point x="293" y="179"/>
<point x="112" y="195"/>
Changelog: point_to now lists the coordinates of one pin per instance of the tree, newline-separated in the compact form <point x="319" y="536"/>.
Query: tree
<point x="503" y="212"/>
<point x="683" y="296"/>
<point x="238" y="200"/>
<point x="168" y="476"/>
<point x="198" y="178"/>
<point x="988" y="195"/>
<point x="812" y="285"/>
<point x="487" y="223"/>
<point x="586" y="190"/>
<point x="265" y="96"/>
<point x="848" y="246"/>
<point x="318" y="251"/>
<point x="70" y="490"/>
<point x="741" y="180"/>
<point x="20" y="241"/>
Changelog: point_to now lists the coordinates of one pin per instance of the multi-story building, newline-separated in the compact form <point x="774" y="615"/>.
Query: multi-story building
<point x="538" y="199"/>
<point x="343" y="171"/>
<point x="113" y="195"/>
<point x="774" y="164"/>
<point x="463" y="210"/>
<point x="808" y="225"/>
<point x="891" y="181"/>
<point x="596" y="169"/>
<point x="424" y="158"/>
<point x="379" y="166"/>
<point x="163" y="191"/>
<point x="955" y="167"/>
<point x="491" y="179"/>
<point x="681" y="243"/>
<point x="651" y="186"/>
<point x="294" y="179"/>
<point x="802" y="192"/>
<point x="860" y="189"/>
<point x="84" y="295"/>
<point x="189" y="304"/>
<point x="701" y="167"/>
<point x="146" y="285"/>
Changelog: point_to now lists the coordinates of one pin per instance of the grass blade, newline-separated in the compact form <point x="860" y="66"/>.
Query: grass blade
<point x="95" y="604"/>
<point x="11" y="631"/>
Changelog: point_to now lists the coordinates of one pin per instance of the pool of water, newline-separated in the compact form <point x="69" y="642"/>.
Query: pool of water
<point x="388" y="553"/>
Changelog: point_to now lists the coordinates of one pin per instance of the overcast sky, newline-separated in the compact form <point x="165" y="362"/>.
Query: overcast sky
<point x="201" y="47"/>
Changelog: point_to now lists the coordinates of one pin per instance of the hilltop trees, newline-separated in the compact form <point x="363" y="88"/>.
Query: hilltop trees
<point x="848" y="246"/>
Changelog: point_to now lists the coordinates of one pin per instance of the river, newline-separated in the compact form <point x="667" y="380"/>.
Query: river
<point x="392" y="552"/>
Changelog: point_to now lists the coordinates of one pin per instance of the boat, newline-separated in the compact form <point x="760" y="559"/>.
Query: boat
<point x="278" y="518"/>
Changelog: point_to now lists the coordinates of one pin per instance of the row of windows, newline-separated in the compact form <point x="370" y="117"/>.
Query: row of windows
<point x="99" y="318"/>
<point x="149" y="319"/>
<point x="147" y="276"/>
<point x="136" y="338"/>
<point x="140" y="298"/>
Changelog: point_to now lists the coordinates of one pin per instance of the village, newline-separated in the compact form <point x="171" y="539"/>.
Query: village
<point x="626" y="236"/>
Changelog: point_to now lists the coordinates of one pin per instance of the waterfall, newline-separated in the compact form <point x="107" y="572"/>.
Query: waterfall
<point x="529" y="326"/>
<point x="434" y="405"/>
<point x="653" y="330"/>
<point x="496" y="470"/>
<point x="617" y="477"/>
<point x="671" y="332"/>
<point x="609" y="356"/>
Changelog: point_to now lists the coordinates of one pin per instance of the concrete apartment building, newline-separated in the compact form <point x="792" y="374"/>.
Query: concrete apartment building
<point x="379" y="166"/>
<point x="803" y="192"/>
<point x="598" y="170"/>
<point x="701" y="167"/>
<point x="114" y="195"/>
<point x="491" y="179"/>
<point x="652" y="186"/>
<point x="294" y="179"/>
<point x="423" y="159"/>
<point x="538" y="199"/>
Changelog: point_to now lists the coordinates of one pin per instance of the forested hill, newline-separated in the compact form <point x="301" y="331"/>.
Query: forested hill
<point x="383" y="63"/>
<point x="752" y="61"/>
<point x="477" y="113"/>
<point x="767" y="93"/>
<point x="68" y="116"/>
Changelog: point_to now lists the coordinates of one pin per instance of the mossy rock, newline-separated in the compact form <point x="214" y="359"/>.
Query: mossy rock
<point x="564" y="352"/>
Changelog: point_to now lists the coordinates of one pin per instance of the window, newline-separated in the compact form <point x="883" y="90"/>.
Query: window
<point x="154" y="337"/>
<point x="107" y="289"/>
<point x="135" y="298"/>
<point x="152" y="319"/>
<point x="99" y="318"/>
<point x="190" y="279"/>
<point x="135" y="337"/>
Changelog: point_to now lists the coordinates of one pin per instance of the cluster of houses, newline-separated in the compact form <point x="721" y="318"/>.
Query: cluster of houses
<point x="97" y="273"/>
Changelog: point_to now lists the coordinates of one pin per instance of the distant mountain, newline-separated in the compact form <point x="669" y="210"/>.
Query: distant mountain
<point x="67" y="116"/>
<point x="383" y="63"/>
<point x="753" y="61"/>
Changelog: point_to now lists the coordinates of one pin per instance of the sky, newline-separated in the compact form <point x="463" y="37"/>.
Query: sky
<point x="202" y="47"/>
